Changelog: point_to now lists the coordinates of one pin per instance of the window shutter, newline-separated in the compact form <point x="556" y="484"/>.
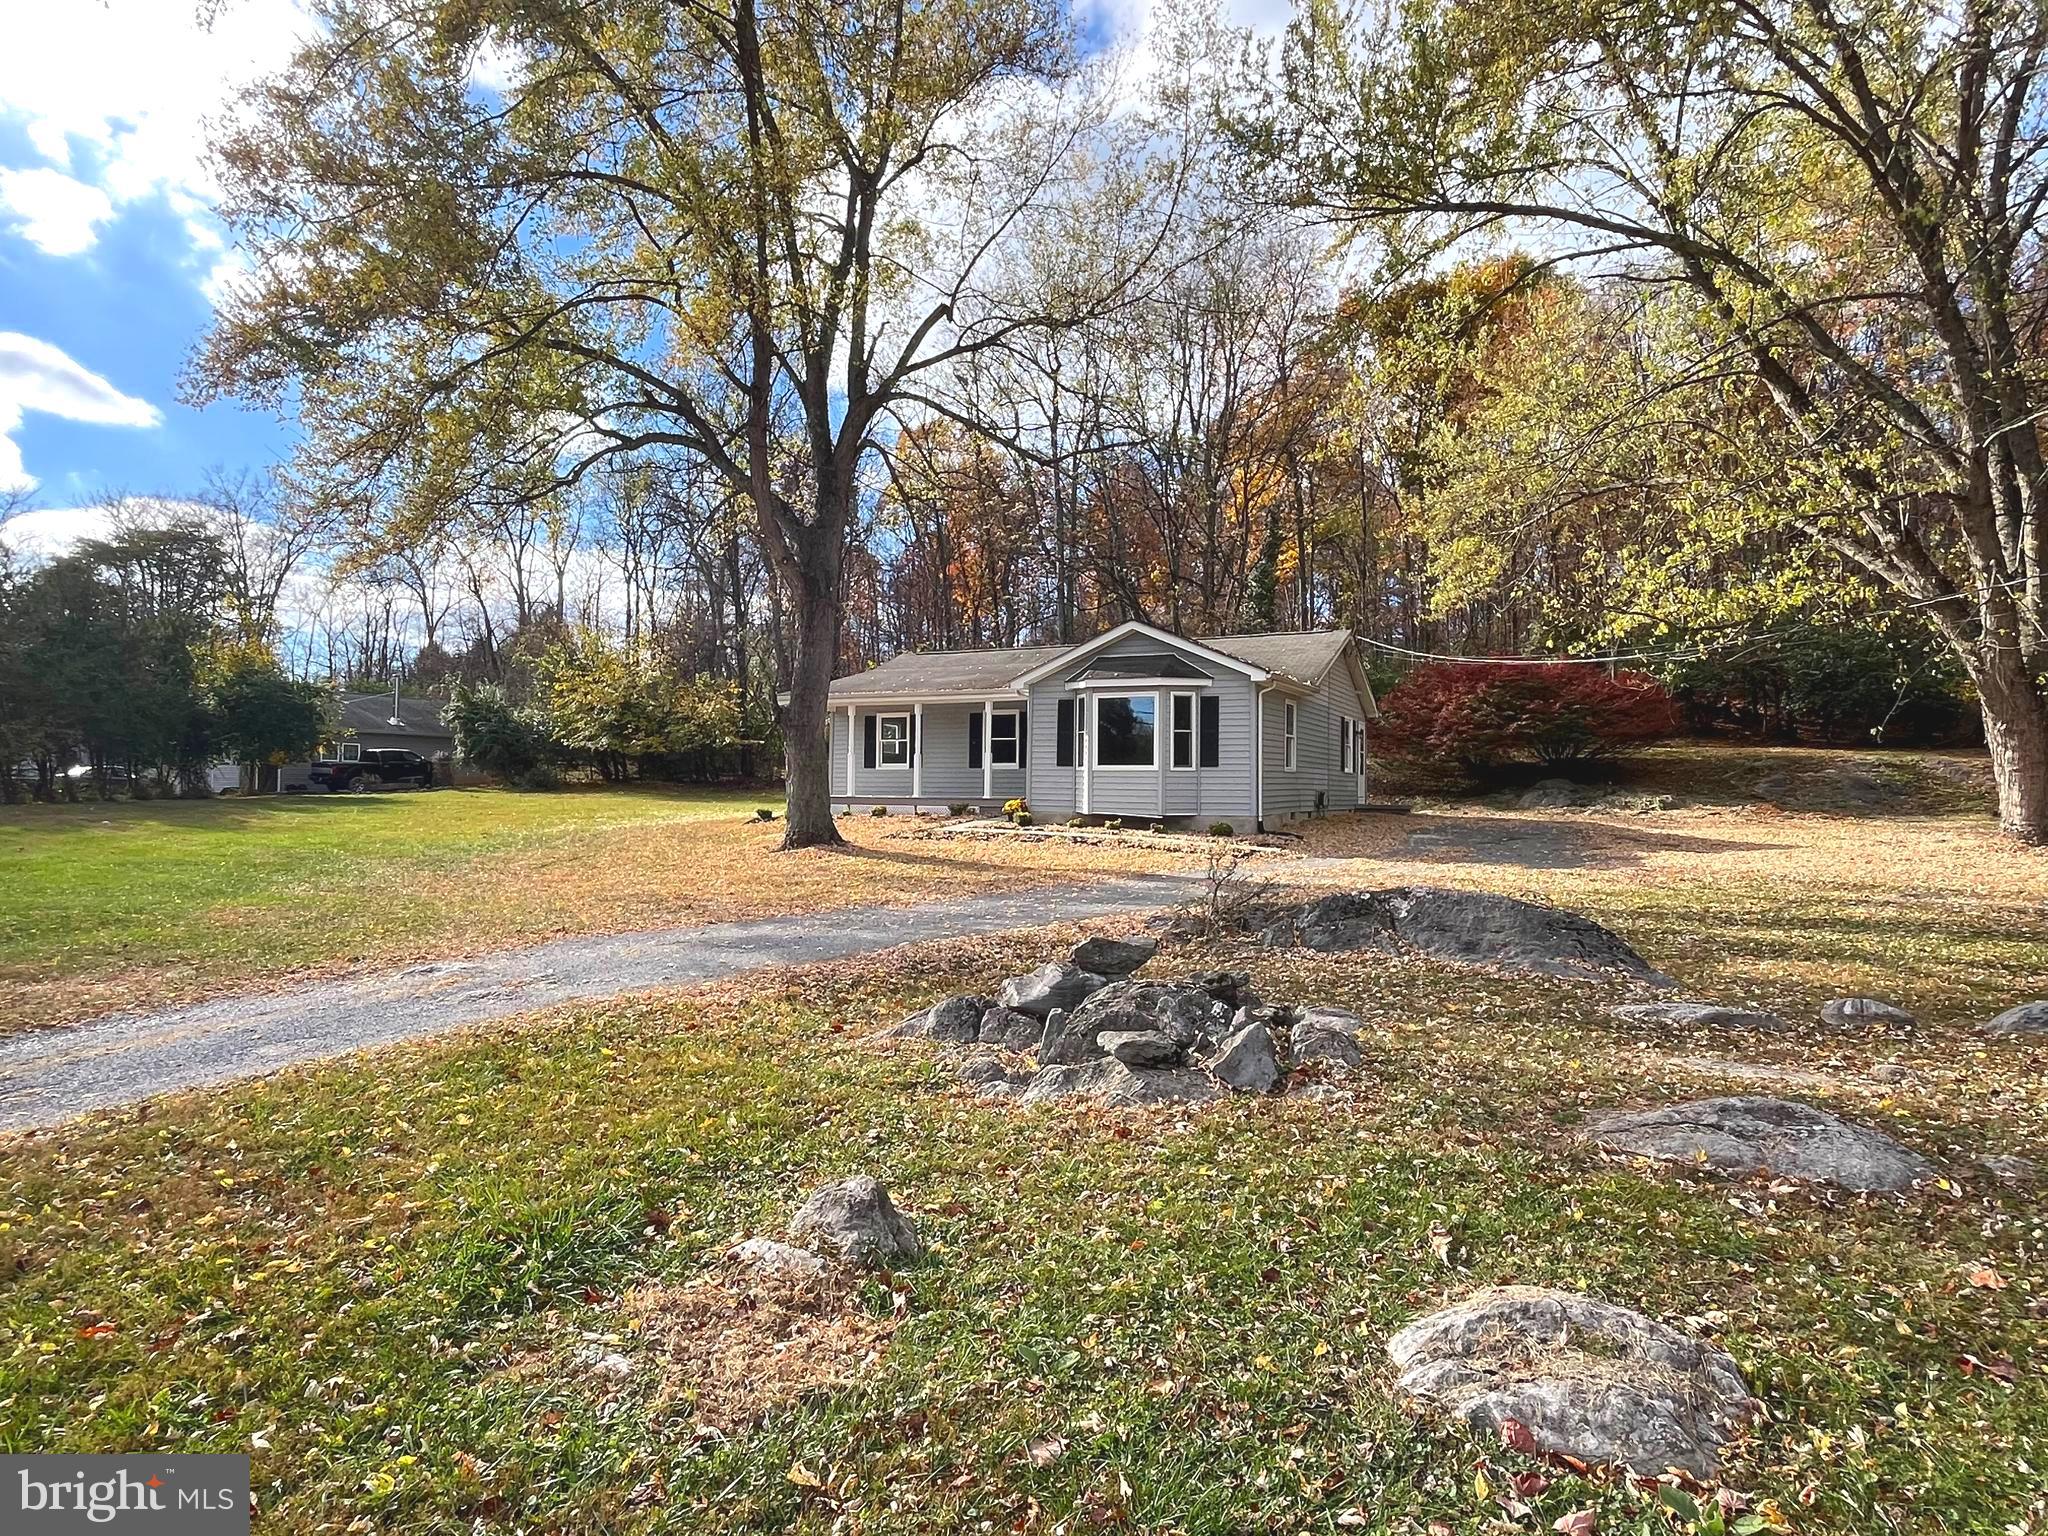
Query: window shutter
<point x="1063" y="736"/>
<point x="1023" y="733"/>
<point x="974" y="740"/>
<point x="868" y="757"/>
<point x="1212" y="731"/>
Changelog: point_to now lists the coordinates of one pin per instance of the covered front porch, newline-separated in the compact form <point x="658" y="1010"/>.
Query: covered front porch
<point x="930" y="753"/>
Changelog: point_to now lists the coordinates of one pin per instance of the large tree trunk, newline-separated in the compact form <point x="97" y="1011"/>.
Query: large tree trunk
<point x="806" y="739"/>
<point x="2016" y="731"/>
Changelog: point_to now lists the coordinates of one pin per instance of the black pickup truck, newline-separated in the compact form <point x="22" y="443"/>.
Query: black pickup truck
<point x="377" y="767"/>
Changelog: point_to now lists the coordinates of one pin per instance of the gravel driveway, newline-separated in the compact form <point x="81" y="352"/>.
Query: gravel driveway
<point x="54" y="1075"/>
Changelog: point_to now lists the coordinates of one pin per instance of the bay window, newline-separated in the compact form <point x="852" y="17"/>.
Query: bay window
<point x="1126" y="731"/>
<point x="1183" y="755"/>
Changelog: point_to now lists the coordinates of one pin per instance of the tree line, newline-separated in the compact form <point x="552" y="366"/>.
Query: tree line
<point x="145" y="658"/>
<point x="776" y="337"/>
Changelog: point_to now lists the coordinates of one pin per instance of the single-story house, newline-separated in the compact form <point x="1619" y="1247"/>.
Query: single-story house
<point x="1137" y="723"/>
<point x="370" y="720"/>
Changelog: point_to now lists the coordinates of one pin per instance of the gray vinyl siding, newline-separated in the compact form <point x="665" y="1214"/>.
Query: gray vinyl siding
<point x="946" y="778"/>
<point x="1222" y="793"/>
<point x="1340" y="695"/>
<point x="1317" y="760"/>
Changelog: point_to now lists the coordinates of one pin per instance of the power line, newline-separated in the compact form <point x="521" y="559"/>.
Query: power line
<point x="1695" y="652"/>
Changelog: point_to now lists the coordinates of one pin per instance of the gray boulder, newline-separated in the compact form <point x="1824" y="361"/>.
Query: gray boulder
<point x="1273" y="1015"/>
<point x="1553" y="795"/>
<point x="1109" y="1082"/>
<point x="1010" y="1029"/>
<point x="1231" y="989"/>
<point x="770" y="1260"/>
<point x="1323" y="1016"/>
<point x="1247" y="1061"/>
<point x="855" y="1220"/>
<point x="1763" y="1135"/>
<point x="1142" y="1047"/>
<point x="1052" y="985"/>
<point x="981" y="1066"/>
<point x="2024" y="1019"/>
<point x="1468" y="928"/>
<point x="1699" y="1016"/>
<point x="956" y="1020"/>
<point x="1864" y="1013"/>
<point x="1113" y="958"/>
<point x="1322" y="1035"/>
<point x="1584" y="1377"/>
<point x="1178" y="1010"/>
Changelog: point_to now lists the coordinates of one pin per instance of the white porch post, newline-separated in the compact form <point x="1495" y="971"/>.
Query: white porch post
<point x="988" y="749"/>
<point x="1085" y="743"/>
<point x="916" y="754"/>
<point x="852" y="752"/>
<point x="1162" y="746"/>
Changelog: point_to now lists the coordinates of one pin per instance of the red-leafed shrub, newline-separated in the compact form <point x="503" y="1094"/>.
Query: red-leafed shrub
<point x="1488" y="715"/>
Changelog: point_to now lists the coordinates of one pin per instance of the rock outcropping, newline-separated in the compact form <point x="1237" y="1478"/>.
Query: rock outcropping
<point x="855" y="1220"/>
<point x="1581" y="1377"/>
<point x="1764" y="1135"/>
<point x="1133" y="1042"/>
<point x="1466" y="927"/>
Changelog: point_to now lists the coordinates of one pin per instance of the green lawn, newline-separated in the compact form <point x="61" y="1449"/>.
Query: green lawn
<point x="281" y="881"/>
<point x="389" y="1276"/>
<point x="121" y="906"/>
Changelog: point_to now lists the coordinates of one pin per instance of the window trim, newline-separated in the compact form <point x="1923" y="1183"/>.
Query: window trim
<point x="1095" y="762"/>
<point x="351" y="752"/>
<point x="1343" y="744"/>
<point x="1290" y="736"/>
<point x="882" y="763"/>
<point x="1173" y="733"/>
<point x="1016" y="718"/>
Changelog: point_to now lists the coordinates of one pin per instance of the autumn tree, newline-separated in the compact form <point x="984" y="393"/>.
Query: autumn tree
<point x="1844" y="205"/>
<point x="499" y="243"/>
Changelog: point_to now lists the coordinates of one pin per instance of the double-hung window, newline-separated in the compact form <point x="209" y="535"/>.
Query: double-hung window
<point x="1183" y="731"/>
<point x="1126" y="731"/>
<point x="1343" y="743"/>
<point x="892" y="741"/>
<point x="1002" y="738"/>
<point x="1288" y="742"/>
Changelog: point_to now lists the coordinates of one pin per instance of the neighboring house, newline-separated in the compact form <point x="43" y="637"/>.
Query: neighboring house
<point x="1137" y="723"/>
<point x="367" y="720"/>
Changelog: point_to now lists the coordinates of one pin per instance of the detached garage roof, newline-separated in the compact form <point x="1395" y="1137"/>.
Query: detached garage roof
<point x="369" y="714"/>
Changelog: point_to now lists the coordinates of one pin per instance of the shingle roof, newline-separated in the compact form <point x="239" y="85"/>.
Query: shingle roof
<point x="1141" y="664"/>
<point x="931" y="673"/>
<point x="1303" y="657"/>
<point x="937" y="674"/>
<point x="369" y="714"/>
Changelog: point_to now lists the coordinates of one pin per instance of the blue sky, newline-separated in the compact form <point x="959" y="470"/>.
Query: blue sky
<point x="110" y="257"/>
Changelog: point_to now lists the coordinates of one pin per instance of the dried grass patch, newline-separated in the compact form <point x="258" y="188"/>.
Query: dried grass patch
<point x="733" y="1345"/>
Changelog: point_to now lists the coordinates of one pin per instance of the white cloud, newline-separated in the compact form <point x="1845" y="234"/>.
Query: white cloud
<point x="35" y="376"/>
<point x="54" y="212"/>
<point x="118" y="94"/>
<point x="48" y="532"/>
